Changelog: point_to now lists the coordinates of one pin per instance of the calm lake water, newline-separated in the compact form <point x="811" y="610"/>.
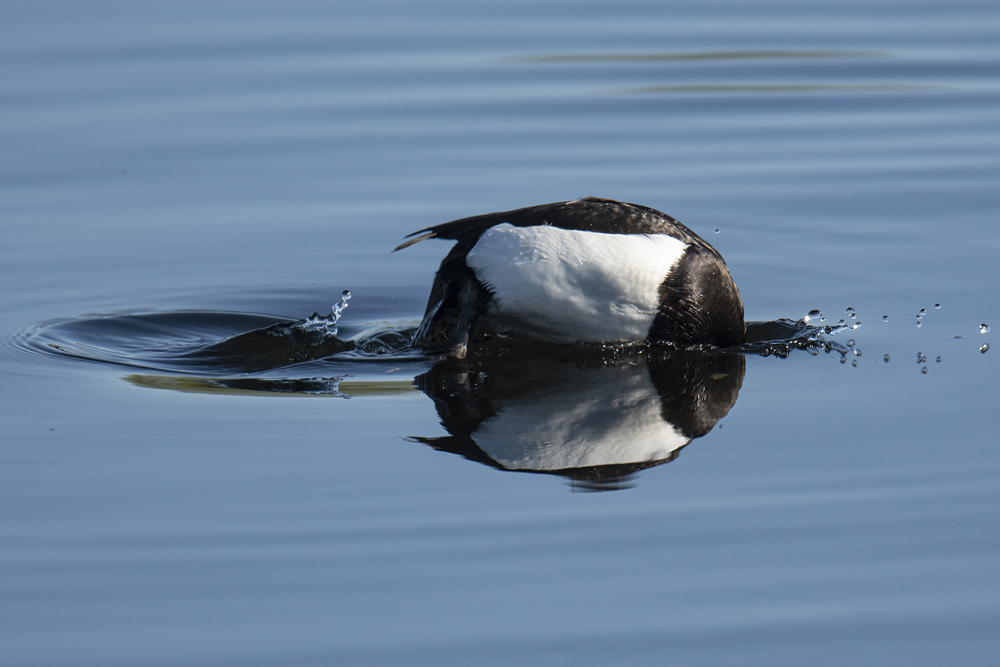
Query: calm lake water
<point x="175" y="173"/>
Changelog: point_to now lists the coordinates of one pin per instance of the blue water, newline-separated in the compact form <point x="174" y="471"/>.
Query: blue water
<point x="254" y="160"/>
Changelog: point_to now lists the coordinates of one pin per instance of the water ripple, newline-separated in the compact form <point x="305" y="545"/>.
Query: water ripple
<point x="700" y="55"/>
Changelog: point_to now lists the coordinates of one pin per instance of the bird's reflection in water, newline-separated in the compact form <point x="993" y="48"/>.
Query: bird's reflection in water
<point x="594" y="414"/>
<point x="594" y="419"/>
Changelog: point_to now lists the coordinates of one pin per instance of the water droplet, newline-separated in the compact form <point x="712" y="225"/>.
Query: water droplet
<point x="985" y="348"/>
<point x="856" y="325"/>
<point x="984" y="328"/>
<point x="938" y="360"/>
<point x="921" y="359"/>
<point x="843" y="360"/>
<point x="919" y="324"/>
<point x="937" y="306"/>
<point x="851" y="313"/>
<point x="855" y="363"/>
<point x="812" y="315"/>
<point x="841" y="323"/>
<point x="716" y="231"/>
<point x="857" y="352"/>
<point x="850" y="343"/>
<point x="885" y="318"/>
<point x="923" y="311"/>
<point x="339" y="307"/>
<point x="924" y="370"/>
<point x="886" y="358"/>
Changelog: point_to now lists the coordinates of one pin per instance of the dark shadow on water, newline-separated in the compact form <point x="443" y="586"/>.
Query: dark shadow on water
<point x="595" y="415"/>
<point x="210" y="342"/>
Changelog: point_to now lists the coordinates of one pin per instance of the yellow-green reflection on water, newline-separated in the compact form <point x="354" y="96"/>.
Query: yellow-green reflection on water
<point x="202" y="385"/>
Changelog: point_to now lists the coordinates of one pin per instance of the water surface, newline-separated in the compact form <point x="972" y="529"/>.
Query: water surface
<point x="254" y="161"/>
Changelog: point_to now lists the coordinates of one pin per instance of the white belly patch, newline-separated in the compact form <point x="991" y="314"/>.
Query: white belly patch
<point x="567" y="286"/>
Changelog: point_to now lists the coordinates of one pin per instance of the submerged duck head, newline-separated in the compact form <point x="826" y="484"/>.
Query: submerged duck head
<point x="585" y="271"/>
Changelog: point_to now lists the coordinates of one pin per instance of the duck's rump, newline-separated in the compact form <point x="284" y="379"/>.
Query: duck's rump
<point x="592" y="270"/>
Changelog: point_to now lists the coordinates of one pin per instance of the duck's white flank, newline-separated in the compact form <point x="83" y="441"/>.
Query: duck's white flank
<point x="572" y="286"/>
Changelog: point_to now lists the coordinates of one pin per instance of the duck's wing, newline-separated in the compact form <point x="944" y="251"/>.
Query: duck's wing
<point x="590" y="214"/>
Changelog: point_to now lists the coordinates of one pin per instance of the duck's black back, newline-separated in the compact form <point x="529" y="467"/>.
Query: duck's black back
<point x="592" y="214"/>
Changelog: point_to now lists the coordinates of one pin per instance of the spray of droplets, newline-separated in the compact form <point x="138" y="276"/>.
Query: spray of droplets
<point x="339" y="307"/>
<point x="813" y="317"/>
<point x="327" y="324"/>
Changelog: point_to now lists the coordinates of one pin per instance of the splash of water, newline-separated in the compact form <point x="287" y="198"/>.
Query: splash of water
<point x="340" y="306"/>
<point x="834" y="329"/>
<point x="781" y="337"/>
<point x="326" y="325"/>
